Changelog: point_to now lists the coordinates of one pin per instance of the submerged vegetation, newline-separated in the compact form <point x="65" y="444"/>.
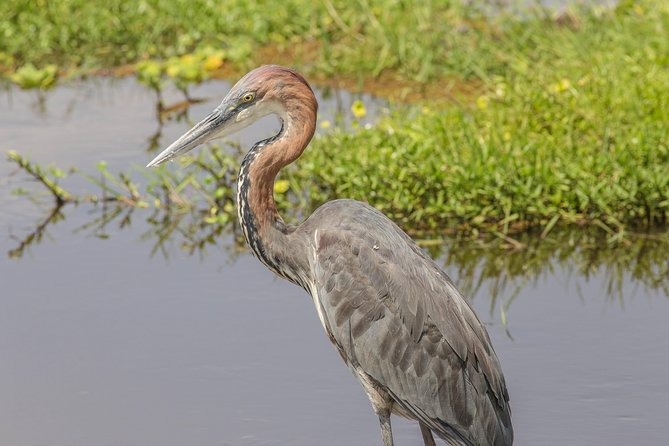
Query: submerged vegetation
<point x="516" y="122"/>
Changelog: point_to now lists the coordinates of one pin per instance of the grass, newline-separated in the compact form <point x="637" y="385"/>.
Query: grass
<point x="401" y="42"/>
<point x="512" y="162"/>
<point x="572" y="126"/>
<point x="548" y="121"/>
<point x="415" y="41"/>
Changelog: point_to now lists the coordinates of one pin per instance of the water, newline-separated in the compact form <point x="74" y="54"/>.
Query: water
<point x="103" y="343"/>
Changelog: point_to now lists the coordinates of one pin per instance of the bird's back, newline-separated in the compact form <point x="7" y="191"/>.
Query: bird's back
<point x="397" y="318"/>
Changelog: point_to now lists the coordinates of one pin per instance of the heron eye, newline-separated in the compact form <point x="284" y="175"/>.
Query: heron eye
<point x="248" y="97"/>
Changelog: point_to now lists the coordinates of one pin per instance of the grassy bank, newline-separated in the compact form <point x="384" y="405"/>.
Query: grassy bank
<point x="335" y="37"/>
<point x="549" y="119"/>
<point x="401" y="40"/>
<point x="571" y="126"/>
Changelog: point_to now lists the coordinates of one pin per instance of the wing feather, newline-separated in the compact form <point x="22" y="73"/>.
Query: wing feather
<point x="392" y="311"/>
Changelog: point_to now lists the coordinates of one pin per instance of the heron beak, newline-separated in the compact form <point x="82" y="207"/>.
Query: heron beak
<point x="213" y="126"/>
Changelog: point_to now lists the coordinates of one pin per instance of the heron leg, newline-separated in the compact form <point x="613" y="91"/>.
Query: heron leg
<point x="428" y="439"/>
<point x="386" y="431"/>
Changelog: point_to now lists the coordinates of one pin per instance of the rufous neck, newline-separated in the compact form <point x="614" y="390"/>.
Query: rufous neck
<point x="267" y="158"/>
<point x="263" y="227"/>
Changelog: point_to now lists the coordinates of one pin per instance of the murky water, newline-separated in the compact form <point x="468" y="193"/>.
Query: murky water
<point x="103" y="343"/>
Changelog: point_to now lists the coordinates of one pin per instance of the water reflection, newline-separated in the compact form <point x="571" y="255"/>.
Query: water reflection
<point x="35" y="236"/>
<point x="580" y="254"/>
<point x="488" y="263"/>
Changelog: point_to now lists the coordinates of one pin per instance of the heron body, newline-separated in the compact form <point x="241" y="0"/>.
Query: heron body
<point x="394" y="316"/>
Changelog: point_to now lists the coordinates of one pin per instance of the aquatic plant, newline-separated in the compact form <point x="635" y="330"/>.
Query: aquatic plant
<point x="150" y="73"/>
<point x="48" y="177"/>
<point x="28" y="76"/>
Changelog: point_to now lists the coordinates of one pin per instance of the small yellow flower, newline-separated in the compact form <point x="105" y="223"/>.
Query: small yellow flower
<point x="326" y="124"/>
<point x="507" y="136"/>
<point x="149" y="68"/>
<point x="173" y="70"/>
<point x="482" y="102"/>
<point x="358" y="109"/>
<point x="213" y="62"/>
<point x="281" y="186"/>
<point x="426" y="110"/>
<point x="562" y="85"/>
<point x="187" y="59"/>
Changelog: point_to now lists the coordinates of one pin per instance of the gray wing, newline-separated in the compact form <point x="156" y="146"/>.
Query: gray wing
<point x="391" y="311"/>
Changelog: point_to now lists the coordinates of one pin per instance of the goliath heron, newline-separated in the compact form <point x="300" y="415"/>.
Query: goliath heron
<point x="394" y="316"/>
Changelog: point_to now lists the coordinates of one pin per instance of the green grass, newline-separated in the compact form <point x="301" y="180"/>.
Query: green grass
<point x="421" y="41"/>
<point x="575" y="127"/>
<point x="114" y="32"/>
<point x="414" y="40"/>
<point x="560" y="120"/>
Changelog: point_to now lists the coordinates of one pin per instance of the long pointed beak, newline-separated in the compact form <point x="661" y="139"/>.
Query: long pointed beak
<point x="209" y="128"/>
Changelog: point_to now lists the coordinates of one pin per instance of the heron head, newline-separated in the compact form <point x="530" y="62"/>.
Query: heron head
<point x="263" y="91"/>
